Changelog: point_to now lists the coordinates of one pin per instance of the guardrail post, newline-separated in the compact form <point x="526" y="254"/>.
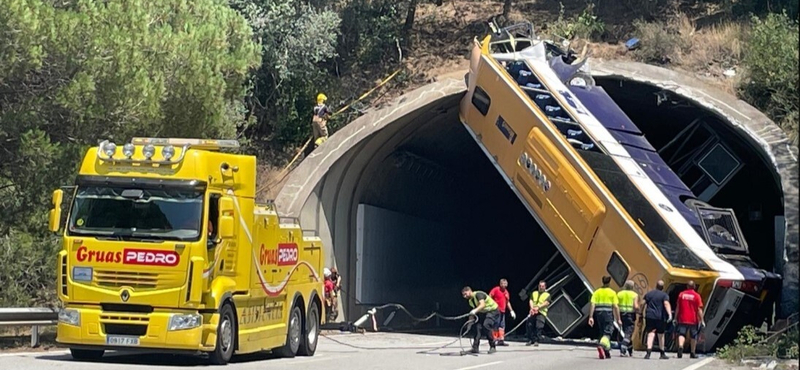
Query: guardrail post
<point x="34" y="336"/>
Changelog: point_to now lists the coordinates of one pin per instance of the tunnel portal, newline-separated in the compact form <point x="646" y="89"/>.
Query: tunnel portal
<point x="414" y="210"/>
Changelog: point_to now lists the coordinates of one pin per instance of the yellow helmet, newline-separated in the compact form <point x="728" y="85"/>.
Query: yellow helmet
<point x="321" y="98"/>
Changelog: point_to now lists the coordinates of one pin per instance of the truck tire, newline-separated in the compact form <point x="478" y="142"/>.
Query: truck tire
<point x="86" y="354"/>
<point x="294" y="334"/>
<point x="226" y="336"/>
<point x="311" y="327"/>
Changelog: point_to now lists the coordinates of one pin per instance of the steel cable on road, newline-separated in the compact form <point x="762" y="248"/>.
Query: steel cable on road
<point x="465" y="328"/>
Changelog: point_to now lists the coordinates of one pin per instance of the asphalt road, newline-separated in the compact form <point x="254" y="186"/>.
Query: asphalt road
<point x="376" y="351"/>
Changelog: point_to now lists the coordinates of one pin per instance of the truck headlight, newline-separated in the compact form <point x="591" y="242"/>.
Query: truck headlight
<point x="69" y="316"/>
<point x="82" y="273"/>
<point x="185" y="321"/>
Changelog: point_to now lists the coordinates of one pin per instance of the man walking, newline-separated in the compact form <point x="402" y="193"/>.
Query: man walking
<point x="484" y="306"/>
<point x="538" y="303"/>
<point x="501" y="297"/>
<point x="689" y="315"/>
<point x="656" y="316"/>
<point x="605" y="306"/>
<point x="319" y="120"/>
<point x="628" y="309"/>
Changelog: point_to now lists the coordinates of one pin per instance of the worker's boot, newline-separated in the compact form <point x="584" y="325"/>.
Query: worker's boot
<point x="492" y="350"/>
<point x="647" y="355"/>
<point x="601" y="353"/>
<point x="474" y="350"/>
<point x="680" y="352"/>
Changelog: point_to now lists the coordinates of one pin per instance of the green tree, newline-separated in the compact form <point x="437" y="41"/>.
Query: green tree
<point x="77" y="71"/>
<point x="297" y="39"/>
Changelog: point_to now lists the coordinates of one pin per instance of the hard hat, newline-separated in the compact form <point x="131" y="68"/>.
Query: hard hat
<point x="321" y="98"/>
<point x="326" y="272"/>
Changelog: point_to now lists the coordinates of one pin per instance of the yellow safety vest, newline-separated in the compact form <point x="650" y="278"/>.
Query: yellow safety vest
<point x="490" y="305"/>
<point x="604" y="299"/>
<point x="626" y="300"/>
<point x="538" y="300"/>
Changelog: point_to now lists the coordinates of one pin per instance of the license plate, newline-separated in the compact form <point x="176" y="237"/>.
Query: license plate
<point x="117" y="340"/>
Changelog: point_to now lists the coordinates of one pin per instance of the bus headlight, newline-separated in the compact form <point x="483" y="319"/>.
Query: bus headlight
<point x="168" y="152"/>
<point x="185" y="321"/>
<point x="109" y="149"/>
<point x="69" y="317"/>
<point x="148" y="151"/>
<point x="128" y="150"/>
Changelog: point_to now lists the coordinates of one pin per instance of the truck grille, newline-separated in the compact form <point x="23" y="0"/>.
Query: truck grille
<point x="125" y="329"/>
<point x="136" y="280"/>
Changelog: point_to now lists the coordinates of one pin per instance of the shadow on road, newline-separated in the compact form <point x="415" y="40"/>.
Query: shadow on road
<point x="157" y="359"/>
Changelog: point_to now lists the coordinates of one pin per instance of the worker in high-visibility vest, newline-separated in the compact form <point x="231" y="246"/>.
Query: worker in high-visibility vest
<point x="538" y="303"/>
<point x="485" y="308"/>
<point x="628" y="309"/>
<point x="319" y="121"/>
<point x="604" y="306"/>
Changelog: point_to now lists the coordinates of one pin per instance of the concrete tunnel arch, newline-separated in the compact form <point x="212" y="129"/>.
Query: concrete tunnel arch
<point x="412" y="166"/>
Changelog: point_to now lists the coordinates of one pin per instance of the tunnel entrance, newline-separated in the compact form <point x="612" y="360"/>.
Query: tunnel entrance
<point x="414" y="210"/>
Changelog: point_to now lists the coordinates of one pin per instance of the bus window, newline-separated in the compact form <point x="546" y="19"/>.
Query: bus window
<point x="617" y="269"/>
<point x="481" y="100"/>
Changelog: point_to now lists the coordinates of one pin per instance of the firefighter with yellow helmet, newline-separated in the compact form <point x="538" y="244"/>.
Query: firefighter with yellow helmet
<point x="319" y="122"/>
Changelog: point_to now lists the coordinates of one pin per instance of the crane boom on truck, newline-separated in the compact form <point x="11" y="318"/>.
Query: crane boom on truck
<point x="168" y="250"/>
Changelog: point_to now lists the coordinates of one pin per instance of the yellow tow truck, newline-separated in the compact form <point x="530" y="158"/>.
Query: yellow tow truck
<point x="165" y="249"/>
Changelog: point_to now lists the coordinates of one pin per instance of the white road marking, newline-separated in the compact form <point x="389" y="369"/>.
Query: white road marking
<point x="481" y="365"/>
<point x="699" y="364"/>
<point x="24" y="354"/>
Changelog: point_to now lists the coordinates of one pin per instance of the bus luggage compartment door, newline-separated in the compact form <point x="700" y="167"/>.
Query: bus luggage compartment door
<point x="575" y="210"/>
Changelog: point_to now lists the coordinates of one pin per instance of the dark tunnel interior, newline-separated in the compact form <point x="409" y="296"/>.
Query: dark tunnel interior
<point x="437" y="215"/>
<point x="757" y="211"/>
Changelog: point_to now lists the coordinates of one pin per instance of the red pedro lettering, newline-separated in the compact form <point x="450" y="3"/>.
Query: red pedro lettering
<point x="151" y="257"/>
<point x="287" y="254"/>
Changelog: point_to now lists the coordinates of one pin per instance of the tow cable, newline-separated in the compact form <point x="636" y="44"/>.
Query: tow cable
<point x="465" y="328"/>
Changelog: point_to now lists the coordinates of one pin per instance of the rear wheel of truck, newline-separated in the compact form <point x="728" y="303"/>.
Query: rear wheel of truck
<point x="312" y="328"/>
<point x="294" y="334"/>
<point x="86" y="354"/>
<point x="226" y="337"/>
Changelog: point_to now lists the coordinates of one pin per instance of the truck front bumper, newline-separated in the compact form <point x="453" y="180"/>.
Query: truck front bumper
<point x="119" y="331"/>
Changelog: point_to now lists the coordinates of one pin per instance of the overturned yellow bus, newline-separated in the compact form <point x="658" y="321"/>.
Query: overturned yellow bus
<point x="599" y="190"/>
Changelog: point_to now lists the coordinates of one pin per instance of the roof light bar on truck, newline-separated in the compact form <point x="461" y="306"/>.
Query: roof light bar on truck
<point x="168" y="145"/>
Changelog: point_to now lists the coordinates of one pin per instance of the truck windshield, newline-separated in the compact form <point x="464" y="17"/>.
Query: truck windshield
<point x="124" y="213"/>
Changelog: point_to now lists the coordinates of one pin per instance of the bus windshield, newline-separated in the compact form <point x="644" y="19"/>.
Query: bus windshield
<point x="124" y="213"/>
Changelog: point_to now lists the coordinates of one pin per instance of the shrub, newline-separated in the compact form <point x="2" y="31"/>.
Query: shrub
<point x="660" y="42"/>
<point x="585" y="25"/>
<point x="771" y="63"/>
<point x="750" y="344"/>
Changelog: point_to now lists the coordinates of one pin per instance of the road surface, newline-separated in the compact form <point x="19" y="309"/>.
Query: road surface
<point x="370" y="351"/>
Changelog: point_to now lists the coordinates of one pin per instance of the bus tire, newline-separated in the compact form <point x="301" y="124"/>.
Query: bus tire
<point x="294" y="334"/>
<point x="86" y="354"/>
<point x="308" y="345"/>
<point x="226" y="336"/>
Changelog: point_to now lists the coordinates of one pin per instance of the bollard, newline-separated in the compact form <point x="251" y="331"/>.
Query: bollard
<point x="34" y="336"/>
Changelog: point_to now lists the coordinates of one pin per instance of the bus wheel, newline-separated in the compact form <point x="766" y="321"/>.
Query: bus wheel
<point x="294" y="334"/>
<point x="312" y="328"/>
<point x="226" y="337"/>
<point x="86" y="354"/>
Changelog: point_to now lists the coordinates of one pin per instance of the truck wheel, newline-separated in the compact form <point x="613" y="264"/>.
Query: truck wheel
<point x="86" y="354"/>
<point x="226" y="337"/>
<point x="293" y="334"/>
<point x="312" y="328"/>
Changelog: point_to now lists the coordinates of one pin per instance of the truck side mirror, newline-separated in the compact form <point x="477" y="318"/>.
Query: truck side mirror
<point x="226" y="217"/>
<point x="55" y="212"/>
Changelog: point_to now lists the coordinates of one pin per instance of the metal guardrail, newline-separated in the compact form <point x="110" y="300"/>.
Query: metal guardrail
<point x="33" y="317"/>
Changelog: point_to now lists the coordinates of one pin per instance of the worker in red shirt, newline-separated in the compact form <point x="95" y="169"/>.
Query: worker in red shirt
<point x="689" y="316"/>
<point x="500" y="295"/>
